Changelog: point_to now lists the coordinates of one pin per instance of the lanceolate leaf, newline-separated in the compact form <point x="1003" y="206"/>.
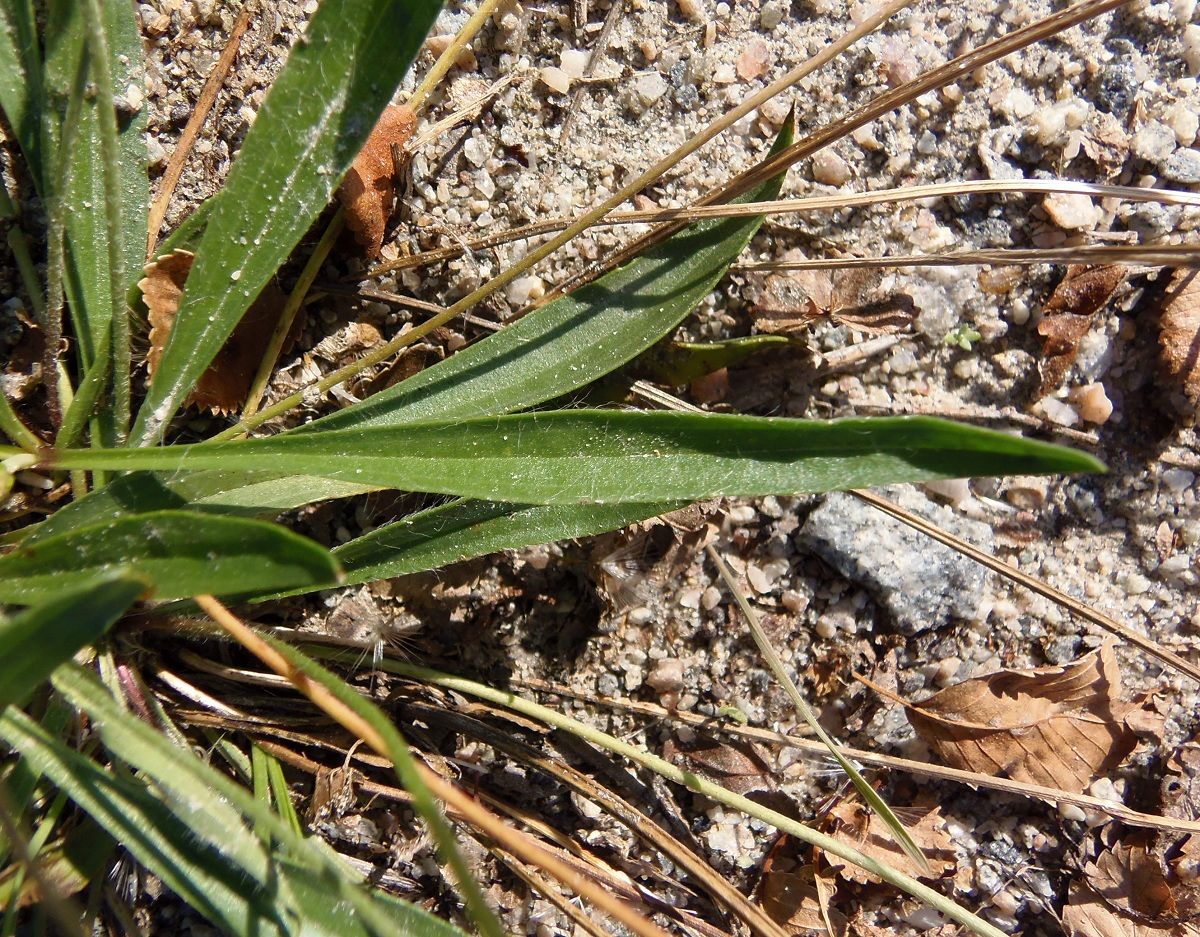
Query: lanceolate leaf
<point x="88" y="275"/>
<point x="463" y="529"/>
<point x="600" y="456"/>
<point x="20" y="80"/>
<point x="319" y="111"/>
<point x="179" y="553"/>
<point x="33" y="643"/>
<point x="574" y="340"/>
<point x="196" y="830"/>
<point x="244" y="494"/>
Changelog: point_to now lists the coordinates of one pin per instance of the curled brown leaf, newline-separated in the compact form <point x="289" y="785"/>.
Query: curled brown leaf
<point x="1179" y="338"/>
<point x="223" y="387"/>
<point x="1055" y="726"/>
<point x="854" y="823"/>
<point x="369" y="190"/>
<point x="1068" y="315"/>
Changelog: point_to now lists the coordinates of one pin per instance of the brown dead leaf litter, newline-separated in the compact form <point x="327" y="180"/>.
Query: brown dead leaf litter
<point x="997" y="680"/>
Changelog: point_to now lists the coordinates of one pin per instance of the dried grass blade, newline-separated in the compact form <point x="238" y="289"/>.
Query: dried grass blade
<point x="775" y="664"/>
<point x="208" y="97"/>
<point x="1159" y="255"/>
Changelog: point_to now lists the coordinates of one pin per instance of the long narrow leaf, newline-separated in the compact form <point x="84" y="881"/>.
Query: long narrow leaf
<point x="608" y="457"/>
<point x="575" y="339"/>
<point x="463" y="529"/>
<point x="319" y="111"/>
<point x="179" y="553"/>
<point x="243" y="494"/>
<point x="314" y="890"/>
<point x="89" y="273"/>
<point x="20" y="80"/>
<point x="33" y="643"/>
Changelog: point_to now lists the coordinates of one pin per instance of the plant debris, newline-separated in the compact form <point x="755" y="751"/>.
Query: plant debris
<point x="1179" y="338"/>
<point x="794" y="301"/>
<point x="222" y="389"/>
<point x="369" y="189"/>
<point x="855" y="823"/>
<point x="1068" y="315"/>
<point x="1056" y="726"/>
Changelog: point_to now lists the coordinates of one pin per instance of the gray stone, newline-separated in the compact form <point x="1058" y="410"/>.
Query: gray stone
<point x="1183" y="166"/>
<point x="918" y="582"/>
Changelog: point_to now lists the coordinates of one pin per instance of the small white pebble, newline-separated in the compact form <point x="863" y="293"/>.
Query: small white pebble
<point x="830" y="169"/>
<point x="1103" y="789"/>
<point x="1135" y="584"/>
<point x="524" y="290"/>
<point x="1177" y="480"/>
<point x="1184" y="122"/>
<point x="1092" y="403"/>
<point x="1072" y="211"/>
<point x="573" y="62"/>
<point x="826" y="629"/>
<point x="1071" y="812"/>
<point x="757" y="579"/>
<point x="555" y="79"/>
<point x="689" y="598"/>
<point x="711" y="598"/>
<point x="666" y="676"/>
<point x="640" y="615"/>
<point x="692" y="10"/>
<point x="1056" y="411"/>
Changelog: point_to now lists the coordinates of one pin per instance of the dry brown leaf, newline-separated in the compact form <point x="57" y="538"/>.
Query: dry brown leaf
<point x="794" y="301"/>
<point x="737" y="765"/>
<point x="1179" y="338"/>
<point x="1068" y="316"/>
<point x="369" y="189"/>
<point x="223" y="387"/>
<point x="793" y="900"/>
<point x="1056" y="726"/>
<point x="1127" y="891"/>
<point x="857" y="825"/>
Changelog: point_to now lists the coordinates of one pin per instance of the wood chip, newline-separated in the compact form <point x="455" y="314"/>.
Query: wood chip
<point x="1056" y="726"/>
<point x="223" y="387"/>
<point x="369" y="190"/>
<point x="1179" y="338"/>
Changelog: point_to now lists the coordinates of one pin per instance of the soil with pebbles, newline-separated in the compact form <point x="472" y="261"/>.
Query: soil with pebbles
<point x="1113" y="101"/>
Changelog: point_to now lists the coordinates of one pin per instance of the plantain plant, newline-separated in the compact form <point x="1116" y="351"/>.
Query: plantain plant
<point x="151" y="519"/>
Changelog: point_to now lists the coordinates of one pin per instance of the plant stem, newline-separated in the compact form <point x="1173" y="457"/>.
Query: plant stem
<point x="107" y="115"/>
<point x="291" y="307"/>
<point x="448" y="57"/>
<point x="15" y="430"/>
<point x="665" y="769"/>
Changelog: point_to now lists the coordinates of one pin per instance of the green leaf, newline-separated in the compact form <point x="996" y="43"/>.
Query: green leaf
<point x="601" y="456"/>
<point x="180" y="553"/>
<point x="193" y="828"/>
<point x="88" y="275"/>
<point x="33" y="643"/>
<point x="683" y="362"/>
<point x="573" y="340"/>
<point x="242" y="494"/>
<point x="20" y="80"/>
<point x="316" y="117"/>
<point x="463" y="529"/>
<point x="407" y="773"/>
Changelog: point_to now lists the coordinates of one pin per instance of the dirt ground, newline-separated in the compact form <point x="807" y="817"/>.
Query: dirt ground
<point x="645" y="618"/>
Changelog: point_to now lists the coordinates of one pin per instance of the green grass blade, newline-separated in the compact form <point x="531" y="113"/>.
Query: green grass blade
<point x="775" y="665"/>
<point x="211" y="879"/>
<point x="93" y="275"/>
<point x="575" y="339"/>
<point x="178" y="553"/>
<point x="36" y="641"/>
<point x="609" y="457"/>
<point x="314" y="120"/>
<point x="462" y="529"/>
<point x="20" y="81"/>
<point x="241" y="494"/>
<point x="406" y="772"/>
<point x="191" y="830"/>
